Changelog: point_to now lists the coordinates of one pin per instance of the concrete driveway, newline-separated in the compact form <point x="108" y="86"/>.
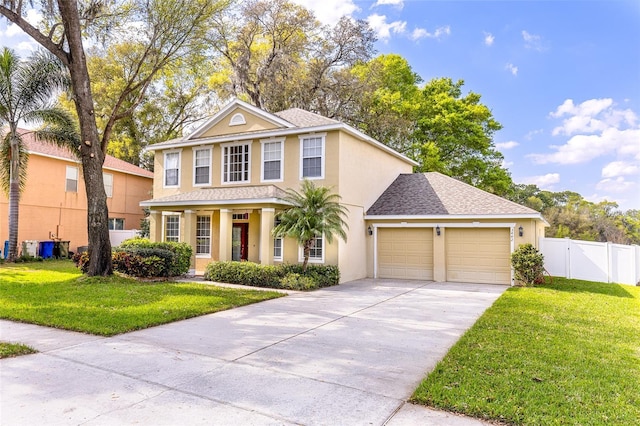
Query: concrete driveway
<point x="348" y="355"/>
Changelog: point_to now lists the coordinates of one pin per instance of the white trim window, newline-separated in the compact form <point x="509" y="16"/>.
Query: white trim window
<point x="236" y="162"/>
<point x="277" y="249"/>
<point x="116" y="224"/>
<point x="172" y="169"/>
<point x="312" y="156"/>
<point x="172" y="228"/>
<point x="203" y="236"/>
<point x="237" y="120"/>
<point x="272" y="160"/>
<point x="201" y="166"/>
<point x="316" y="253"/>
<point x="71" y="182"/>
<point x="107" y="178"/>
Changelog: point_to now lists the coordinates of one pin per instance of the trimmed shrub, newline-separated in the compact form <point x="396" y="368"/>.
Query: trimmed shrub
<point x="180" y="263"/>
<point x="273" y="276"/>
<point x="528" y="265"/>
<point x="143" y="263"/>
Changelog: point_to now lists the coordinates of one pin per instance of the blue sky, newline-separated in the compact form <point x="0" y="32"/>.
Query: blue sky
<point x="562" y="77"/>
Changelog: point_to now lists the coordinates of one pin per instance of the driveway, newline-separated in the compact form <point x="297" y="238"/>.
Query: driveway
<point x="350" y="355"/>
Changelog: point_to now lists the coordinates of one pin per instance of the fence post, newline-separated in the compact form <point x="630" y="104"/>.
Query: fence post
<point x="567" y="257"/>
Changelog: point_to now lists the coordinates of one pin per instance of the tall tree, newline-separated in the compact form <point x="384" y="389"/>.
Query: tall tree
<point x="314" y="212"/>
<point x="167" y="29"/>
<point x="26" y="92"/>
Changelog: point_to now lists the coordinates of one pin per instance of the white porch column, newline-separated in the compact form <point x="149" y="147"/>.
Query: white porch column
<point x="267" y="216"/>
<point x="189" y="235"/>
<point x="226" y="229"/>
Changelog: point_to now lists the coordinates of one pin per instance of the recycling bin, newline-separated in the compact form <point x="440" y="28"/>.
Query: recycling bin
<point x="46" y="249"/>
<point x="30" y="248"/>
<point x="63" y="249"/>
<point x="6" y="249"/>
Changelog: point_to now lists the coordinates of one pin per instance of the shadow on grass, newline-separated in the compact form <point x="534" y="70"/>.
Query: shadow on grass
<point x="581" y="286"/>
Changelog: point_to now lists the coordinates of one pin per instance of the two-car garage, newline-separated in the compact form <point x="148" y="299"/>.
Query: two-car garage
<point x="465" y="254"/>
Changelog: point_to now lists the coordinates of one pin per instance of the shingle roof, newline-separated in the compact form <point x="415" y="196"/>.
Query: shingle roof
<point x="43" y="148"/>
<point x="220" y="195"/>
<point x="425" y="194"/>
<point x="301" y="118"/>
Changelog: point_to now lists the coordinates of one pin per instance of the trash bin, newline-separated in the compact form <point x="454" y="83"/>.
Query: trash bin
<point x="30" y="248"/>
<point x="46" y="249"/>
<point x="64" y="249"/>
<point x="6" y="249"/>
<point x="83" y="249"/>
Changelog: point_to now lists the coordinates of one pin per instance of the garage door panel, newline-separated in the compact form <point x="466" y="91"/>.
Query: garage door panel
<point x="478" y="255"/>
<point x="405" y="253"/>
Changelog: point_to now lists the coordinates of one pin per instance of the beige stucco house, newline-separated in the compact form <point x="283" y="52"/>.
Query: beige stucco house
<point x="220" y="188"/>
<point x="54" y="201"/>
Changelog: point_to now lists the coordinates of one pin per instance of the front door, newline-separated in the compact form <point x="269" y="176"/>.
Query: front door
<point x="239" y="241"/>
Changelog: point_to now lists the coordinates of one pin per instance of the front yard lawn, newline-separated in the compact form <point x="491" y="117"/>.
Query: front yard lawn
<point x="566" y="353"/>
<point x="56" y="294"/>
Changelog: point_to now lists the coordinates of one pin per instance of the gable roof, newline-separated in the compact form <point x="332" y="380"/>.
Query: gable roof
<point x="292" y="121"/>
<point x="210" y="196"/>
<point x="51" y="150"/>
<point x="434" y="194"/>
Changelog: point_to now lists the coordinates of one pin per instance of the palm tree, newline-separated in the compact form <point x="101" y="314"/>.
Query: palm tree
<point x="314" y="212"/>
<point x="26" y="93"/>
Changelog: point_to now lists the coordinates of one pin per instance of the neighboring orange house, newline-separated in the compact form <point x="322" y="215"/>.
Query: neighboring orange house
<point x="54" y="202"/>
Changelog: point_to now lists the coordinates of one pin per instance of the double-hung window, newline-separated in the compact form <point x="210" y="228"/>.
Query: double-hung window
<point x="107" y="178"/>
<point x="312" y="158"/>
<point x="277" y="249"/>
<point x="201" y="166"/>
<point x="236" y="162"/>
<point x="172" y="228"/>
<point x="71" y="184"/>
<point x="172" y="169"/>
<point x="203" y="236"/>
<point x="316" y="253"/>
<point x="116" y="224"/>
<point x="272" y="159"/>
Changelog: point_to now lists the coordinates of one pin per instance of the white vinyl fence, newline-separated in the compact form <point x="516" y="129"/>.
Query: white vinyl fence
<point x="117" y="237"/>
<point x="587" y="260"/>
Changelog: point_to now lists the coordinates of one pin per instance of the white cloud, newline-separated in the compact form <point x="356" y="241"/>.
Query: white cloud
<point x="596" y="128"/>
<point x="620" y="168"/>
<point x="33" y="17"/>
<point x="383" y="29"/>
<point x="488" y="39"/>
<point x="439" y="33"/>
<point x="506" y="164"/>
<point x="532" y="133"/>
<point x="532" y="41"/>
<point x="617" y="185"/>
<point x="543" y="182"/>
<point x="329" y="11"/>
<point x="507" y="145"/>
<point x="512" y="68"/>
<point x="397" y="3"/>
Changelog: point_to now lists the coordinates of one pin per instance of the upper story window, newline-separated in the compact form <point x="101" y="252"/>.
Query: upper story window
<point x="236" y="162"/>
<point x="107" y="178"/>
<point x="272" y="159"/>
<point x="312" y="158"/>
<point x="201" y="166"/>
<point x="71" y="184"/>
<point x="172" y="169"/>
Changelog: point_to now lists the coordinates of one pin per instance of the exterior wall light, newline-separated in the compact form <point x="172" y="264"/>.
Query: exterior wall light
<point x="521" y="231"/>
<point x="438" y="230"/>
<point x="369" y="231"/>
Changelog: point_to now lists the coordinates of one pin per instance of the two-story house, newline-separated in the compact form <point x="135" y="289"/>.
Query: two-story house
<point x="54" y="202"/>
<point x="220" y="188"/>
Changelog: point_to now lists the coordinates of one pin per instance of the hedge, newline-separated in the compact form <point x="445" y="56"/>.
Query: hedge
<point x="273" y="276"/>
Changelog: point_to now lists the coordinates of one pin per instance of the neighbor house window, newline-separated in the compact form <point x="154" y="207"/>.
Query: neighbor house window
<point x="235" y="163"/>
<point x="277" y="249"/>
<point x="272" y="159"/>
<point x="72" y="179"/>
<point x="116" y="224"/>
<point x="171" y="169"/>
<point x="203" y="235"/>
<point x="316" y="253"/>
<point x="172" y="228"/>
<point x="312" y="159"/>
<point x="108" y="184"/>
<point x="202" y="166"/>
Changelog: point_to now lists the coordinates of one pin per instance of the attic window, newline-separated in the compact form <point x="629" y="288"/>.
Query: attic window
<point x="237" y="120"/>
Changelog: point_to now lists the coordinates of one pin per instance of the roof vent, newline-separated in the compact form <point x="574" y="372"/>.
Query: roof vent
<point x="237" y="120"/>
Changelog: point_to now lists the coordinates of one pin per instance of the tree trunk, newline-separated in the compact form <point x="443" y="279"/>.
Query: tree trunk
<point x="90" y="150"/>
<point x="14" y="196"/>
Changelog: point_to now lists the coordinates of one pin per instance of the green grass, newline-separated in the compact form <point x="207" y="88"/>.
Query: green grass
<point x="55" y="294"/>
<point x="10" y="350"/>
<point x="566" y="353"/>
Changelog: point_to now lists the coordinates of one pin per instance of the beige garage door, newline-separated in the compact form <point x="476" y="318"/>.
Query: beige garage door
<point x="405" y="253"/>
<point x="478" y="255"/>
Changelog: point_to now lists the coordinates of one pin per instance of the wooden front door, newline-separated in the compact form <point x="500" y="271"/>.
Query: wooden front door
<point x="240" y="241"/>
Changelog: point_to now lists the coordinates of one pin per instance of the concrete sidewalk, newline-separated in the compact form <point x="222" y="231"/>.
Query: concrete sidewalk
<point x="350" y="354"/>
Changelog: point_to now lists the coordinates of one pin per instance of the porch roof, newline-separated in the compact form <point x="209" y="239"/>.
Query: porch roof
<point x="258" y="194"/>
